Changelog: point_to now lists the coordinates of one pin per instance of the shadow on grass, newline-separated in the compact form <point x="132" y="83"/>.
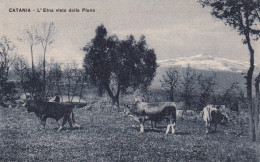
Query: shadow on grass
<point x="69" y="128"/>
<point x="159" y="129"/>
<point x="182" y="133"/>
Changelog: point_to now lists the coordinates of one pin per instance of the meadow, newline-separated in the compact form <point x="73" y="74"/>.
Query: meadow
<point x="106" y="135"/>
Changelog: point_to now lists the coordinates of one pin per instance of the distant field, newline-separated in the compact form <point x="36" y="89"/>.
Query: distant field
<point x="108" y="136"/>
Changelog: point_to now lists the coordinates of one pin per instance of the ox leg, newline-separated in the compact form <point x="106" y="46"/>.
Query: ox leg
<point x="153" y="124"/>
<point x="141" y="125"/>
<point x="168" y="128"/>
<point x="43" y="121"/>
<point x="141" y="128"/>
<point x="215" y="127"/>
<point x="65" y="119"/>
<point x="74" y="124"/>
<point x="207" y="127"/>
<point x="173" y="128"/>
<point x="70" y="122"/>
<point x="170" y="125"/>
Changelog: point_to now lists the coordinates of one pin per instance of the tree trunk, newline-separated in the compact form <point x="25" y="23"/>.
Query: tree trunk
<point x="115" y="98"/>
<point x="32" y="59"/>
<point x="257" y="106"/>
<point x="171" y="95"/>
<point x="249" y="91"/>
<point x="44" y="75"/>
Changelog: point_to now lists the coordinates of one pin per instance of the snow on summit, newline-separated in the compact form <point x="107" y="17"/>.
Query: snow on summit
<point x="207" y="62"/>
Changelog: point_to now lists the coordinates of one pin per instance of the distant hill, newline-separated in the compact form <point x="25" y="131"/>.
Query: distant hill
<point x="226" y="71"/>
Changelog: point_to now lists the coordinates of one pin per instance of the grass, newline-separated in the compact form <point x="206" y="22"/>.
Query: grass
<point x="108" y="136"/>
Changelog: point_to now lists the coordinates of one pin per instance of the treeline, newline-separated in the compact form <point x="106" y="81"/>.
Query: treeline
<point x="41" y="80"/>
<point x="195" y="89"/>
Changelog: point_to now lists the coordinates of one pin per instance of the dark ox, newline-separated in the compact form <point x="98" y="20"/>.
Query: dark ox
<point x="54" y="110"/>
<point x="155" y="112"/>
<point x="212" y="116"/>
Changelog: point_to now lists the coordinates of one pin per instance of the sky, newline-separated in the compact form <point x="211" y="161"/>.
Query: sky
<point x="173" y="28"/>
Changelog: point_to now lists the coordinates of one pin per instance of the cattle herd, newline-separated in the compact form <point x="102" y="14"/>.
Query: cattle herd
<point x="139" y="111"/>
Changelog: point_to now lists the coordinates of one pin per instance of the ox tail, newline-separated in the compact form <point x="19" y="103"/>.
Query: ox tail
<point x="72" y="117"/>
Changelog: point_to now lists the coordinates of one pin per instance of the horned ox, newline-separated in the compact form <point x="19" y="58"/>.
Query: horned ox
<point x="212" y="116"/>
<point x="44" y="110"/>
<point x="143" y="111"/>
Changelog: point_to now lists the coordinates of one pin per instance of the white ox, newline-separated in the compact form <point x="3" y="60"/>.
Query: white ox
<point x="212" y="116"/>
<point x="157" y="111"/>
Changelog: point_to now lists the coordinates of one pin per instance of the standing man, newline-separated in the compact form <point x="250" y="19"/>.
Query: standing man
<point x="57" y="98"/>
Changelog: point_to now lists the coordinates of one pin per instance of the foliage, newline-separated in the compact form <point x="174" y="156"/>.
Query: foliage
<point x="170" y="81"/>
<point x="74" y="80"/>
<point x="7" y="58"/>
<point x="53" y="78"/>
<point x="33" y="84"/>
<point x="206" y="90"/>
<point x="188" y="87"/>
<point x="113" y="65"/>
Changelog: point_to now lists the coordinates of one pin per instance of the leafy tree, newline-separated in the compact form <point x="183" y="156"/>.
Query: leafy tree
<point x="170" y="81"/>
<point x="189" y="85"/>
<point x="243" y="16"/>
<point x="33" y="83"/>
<point x="74" y="80"/>
<point x="113" y="65"/>
<point x="21" y="67"/>
<point x="206" y="85"/>
<point x="7" y="58"/>
<point x="53" y="78"/>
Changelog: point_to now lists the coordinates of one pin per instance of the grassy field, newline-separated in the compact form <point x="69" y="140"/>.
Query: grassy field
<point x="108" y="136"/>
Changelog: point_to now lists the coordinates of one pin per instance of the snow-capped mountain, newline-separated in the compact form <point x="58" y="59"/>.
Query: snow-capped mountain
<point x="207" y="62"/>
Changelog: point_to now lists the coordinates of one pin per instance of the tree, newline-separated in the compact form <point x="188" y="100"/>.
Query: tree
<point x="170" y="81"/>
<point x="113" y="65"/>
<point x="30" y="36"/>
<point x="45" y="35"/>
<point x="206" y="85"/>
<point x="189" y="87"/>
<point x="242" y="15"/>
<point x="6" y="61"/>
<point x="74" y="80"/>
<point x="257" y="110"/>
<point x="21" y="67"/>
<point x="53" y="78"/>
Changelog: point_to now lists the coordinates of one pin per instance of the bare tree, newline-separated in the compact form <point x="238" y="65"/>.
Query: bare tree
<point x="30" y="37"/>
<point x="45" y="35"/>
<point x="170" y="81"/>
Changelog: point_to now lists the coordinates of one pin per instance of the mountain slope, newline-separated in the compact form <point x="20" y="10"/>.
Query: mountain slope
<point x="226" y="71"/>
<point x="207" y="62"/>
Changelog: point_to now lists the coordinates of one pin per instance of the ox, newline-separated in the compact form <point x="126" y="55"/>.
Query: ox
<point x="143" y="111"/>
<point x="212" y="116"/>
<point x="54" y="110"/>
